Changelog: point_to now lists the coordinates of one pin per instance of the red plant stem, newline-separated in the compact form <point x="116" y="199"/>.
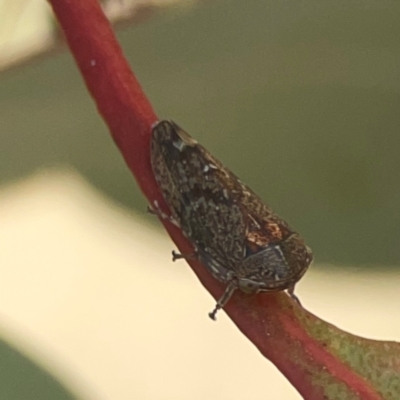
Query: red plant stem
<point x="270" y="321"/>
<point x="119" y="99"/>
<point x="109" y="79"/>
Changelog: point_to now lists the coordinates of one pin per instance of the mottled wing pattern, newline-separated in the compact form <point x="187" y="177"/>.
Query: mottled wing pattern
<point x="236" y="235"/>
<point x="193" y="185"/>
<point x="262" y="228"/>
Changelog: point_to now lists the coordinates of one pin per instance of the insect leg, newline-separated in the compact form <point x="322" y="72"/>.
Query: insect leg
<point x="177" y="256"/>
<point x="224" y="299"/>
<point x="290" y="292"/>
<point x="156" y="210"/>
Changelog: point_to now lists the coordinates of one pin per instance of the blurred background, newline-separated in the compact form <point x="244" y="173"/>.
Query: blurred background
<point x="300" y="99"/>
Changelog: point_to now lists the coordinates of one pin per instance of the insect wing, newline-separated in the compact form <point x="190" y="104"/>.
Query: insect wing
<point x="200" y="193"/>
<point x="236" y="235"/>
<point x="214" y="208"/>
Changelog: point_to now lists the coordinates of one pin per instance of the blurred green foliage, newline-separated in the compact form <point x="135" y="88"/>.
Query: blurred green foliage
<point x="300" y="99"/>
<point x="21" y="379"/>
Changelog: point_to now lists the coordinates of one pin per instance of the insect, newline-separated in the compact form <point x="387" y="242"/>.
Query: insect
<point x="238" y="238"/>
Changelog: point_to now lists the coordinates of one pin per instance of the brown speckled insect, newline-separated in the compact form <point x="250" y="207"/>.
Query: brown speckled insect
<point x="235" y="235"/>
